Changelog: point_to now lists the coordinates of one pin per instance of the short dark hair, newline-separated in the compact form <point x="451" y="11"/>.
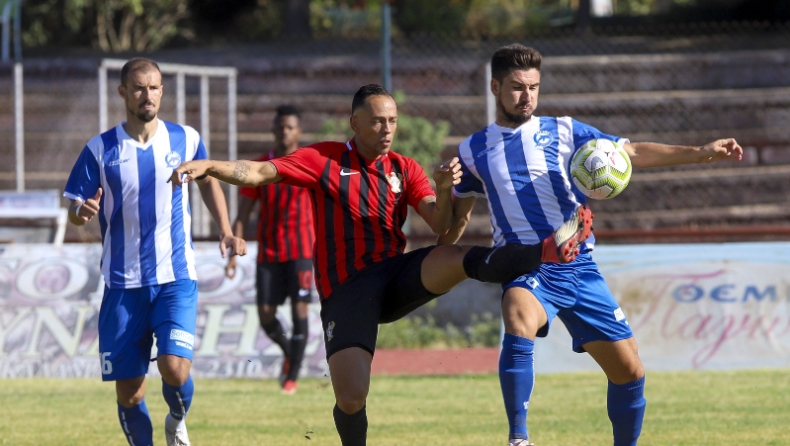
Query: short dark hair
<point x="365" y="92"/>
<point x="514" y="57"/>
<point x="137" y="64"/>
<point x="287" y="110"/>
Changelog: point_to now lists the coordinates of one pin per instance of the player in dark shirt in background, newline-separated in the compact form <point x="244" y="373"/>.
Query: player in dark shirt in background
<point x="285" y="249"/>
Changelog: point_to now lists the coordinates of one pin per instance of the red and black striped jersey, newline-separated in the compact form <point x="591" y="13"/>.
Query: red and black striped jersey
<point x="360" y="205"/>
<point x="285" y="225"/>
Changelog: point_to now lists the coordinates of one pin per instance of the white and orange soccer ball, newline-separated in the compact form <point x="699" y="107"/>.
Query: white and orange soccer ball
<point x="601" y="169"/>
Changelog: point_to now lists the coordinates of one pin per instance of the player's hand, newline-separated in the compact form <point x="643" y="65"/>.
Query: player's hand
<point x="447" y="175"/>
<point x="237" y="245"/>
<point x="90" y="207"/>
<point x="722" y="149"/>
<point x="189" y="171"/>
<point x="230" y="268"/>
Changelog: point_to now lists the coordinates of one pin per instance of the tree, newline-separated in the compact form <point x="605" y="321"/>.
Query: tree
<point x="138" y="25"/>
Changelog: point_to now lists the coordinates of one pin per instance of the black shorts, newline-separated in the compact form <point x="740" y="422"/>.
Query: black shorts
<point x="278" y="280"/>
<point x="380" y="293"/>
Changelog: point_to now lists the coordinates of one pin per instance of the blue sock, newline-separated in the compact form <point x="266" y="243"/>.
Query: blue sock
<point x="517" y="378"/>
<point x="626" y="405"/>
<point x="179" y="398"/>
<point x="136" y="424"/>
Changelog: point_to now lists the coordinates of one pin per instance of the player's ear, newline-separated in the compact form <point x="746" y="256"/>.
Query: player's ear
<point x="495" y="86"/>
<point x="122" y="90"/>
<point x="352" y="121"/>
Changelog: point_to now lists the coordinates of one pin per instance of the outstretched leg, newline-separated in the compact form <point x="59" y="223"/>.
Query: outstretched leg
<point x="448" y="265"/>
<point x="626" y="395"/>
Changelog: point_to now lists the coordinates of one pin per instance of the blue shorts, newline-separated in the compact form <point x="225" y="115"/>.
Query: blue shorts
<point x="129" y="317"/>
<point x="577" y="293"/>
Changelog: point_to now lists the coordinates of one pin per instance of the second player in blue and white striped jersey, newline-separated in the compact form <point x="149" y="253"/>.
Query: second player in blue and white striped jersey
<point x="524" y="174"/>
<point x="123" y="177"/>
<point x="145" y="222"/>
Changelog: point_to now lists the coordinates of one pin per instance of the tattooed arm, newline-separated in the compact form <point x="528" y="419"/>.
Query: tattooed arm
<point x="240" y="173"/>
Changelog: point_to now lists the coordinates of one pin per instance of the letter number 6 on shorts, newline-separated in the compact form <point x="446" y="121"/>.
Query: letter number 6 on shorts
<point x="106" y="365"/>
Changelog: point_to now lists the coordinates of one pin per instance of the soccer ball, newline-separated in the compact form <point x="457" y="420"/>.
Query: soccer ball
<point x="601" y="169"/>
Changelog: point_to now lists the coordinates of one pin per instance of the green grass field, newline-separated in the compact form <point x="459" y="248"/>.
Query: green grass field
<point x="710" y="408"/>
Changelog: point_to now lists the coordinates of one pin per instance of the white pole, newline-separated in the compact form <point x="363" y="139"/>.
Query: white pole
<point x="204" y="113"/>
<point x="204" y="223"/>
<point x="490" y="102"/>
<point x="102" y="99"/>
<point x="19" y="127"/>
<point x="181" y="107"/>
<point x="233" y="200"/>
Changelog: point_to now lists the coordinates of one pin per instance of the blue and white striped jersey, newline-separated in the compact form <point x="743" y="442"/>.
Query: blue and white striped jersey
<point x="145" y="224"/>
<point x="524" y="174"/>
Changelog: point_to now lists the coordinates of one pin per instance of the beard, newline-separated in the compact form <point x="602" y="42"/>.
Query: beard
<point x="512" y="118"/>
<point x="144" y="115"/>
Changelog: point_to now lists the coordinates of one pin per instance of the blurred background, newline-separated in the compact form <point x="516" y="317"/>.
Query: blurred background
<point x="674" y="71"/>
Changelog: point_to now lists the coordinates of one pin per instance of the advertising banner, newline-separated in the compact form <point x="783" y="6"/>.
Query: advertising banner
<point x="707" y="306"/>
<point x="49" y="308"/>
<point x="693" y="306"/>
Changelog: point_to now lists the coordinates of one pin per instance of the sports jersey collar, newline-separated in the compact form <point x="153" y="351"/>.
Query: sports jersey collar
<point x="125" y="136"/>
<point x="532" y="121"/>
<point x="352" y="147"/>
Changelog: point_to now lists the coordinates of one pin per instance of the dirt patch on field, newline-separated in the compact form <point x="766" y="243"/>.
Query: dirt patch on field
<point x="435" y="362"/>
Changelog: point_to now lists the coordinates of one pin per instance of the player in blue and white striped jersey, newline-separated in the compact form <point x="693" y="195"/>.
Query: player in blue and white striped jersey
<point x="521" y="165"/>
<point x="148" y="263"/>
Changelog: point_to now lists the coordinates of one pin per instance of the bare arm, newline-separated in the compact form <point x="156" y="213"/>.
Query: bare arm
<point x="240" y="173"/>
<point x="438" y="211"/>
<point x="245" y="209"/>
<point x="214" y="198"/>
<point x="650" y="154"/>
<point x="462" y="212"/>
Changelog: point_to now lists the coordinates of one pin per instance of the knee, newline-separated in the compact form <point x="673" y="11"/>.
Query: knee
<point x="174" y="370"/>
<point x="129" y="394"/>
<point x="351" y="402"/>
<point x="266" y="314"/>
<point x="633" y="371"/>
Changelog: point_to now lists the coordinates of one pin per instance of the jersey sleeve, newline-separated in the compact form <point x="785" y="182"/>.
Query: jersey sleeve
<point x="195" y="149"/>
<point x="470" y="185"/>
<point x="582" y="133"/>
<point x="250" y="192"/>
<point x="302" y="168"/>
<point x="417" y="184"/>
<point x="200" y="153"/>
<point x="85" y="178"/>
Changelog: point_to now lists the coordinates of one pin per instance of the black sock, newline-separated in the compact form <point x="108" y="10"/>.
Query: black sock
<point x="275" y="332"/>
<point x="298" y="343"/>
<point x="353" y="429"/>
<point x="502" y="264"/>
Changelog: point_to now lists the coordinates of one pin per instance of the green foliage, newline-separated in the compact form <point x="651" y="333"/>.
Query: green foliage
<point x="415" y="16"/>
<point x="263" y="22"/>
<point x="139" y="25"/>
<point x="423" y="332"/>
<point x="112" y="25"/>
<point x="338" y="18"/>
<point x="415" y="137"/>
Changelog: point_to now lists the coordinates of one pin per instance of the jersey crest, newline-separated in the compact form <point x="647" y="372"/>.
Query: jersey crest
<point x="395" y="180"/>
<point x="173" y="159"/>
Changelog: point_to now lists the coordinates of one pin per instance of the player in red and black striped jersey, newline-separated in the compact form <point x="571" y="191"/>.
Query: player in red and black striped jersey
<point x="360" y="191"/>
<point x="285" y="249"/>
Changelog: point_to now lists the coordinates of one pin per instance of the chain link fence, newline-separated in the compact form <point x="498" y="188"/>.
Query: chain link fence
<point x="684" y="83"/>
